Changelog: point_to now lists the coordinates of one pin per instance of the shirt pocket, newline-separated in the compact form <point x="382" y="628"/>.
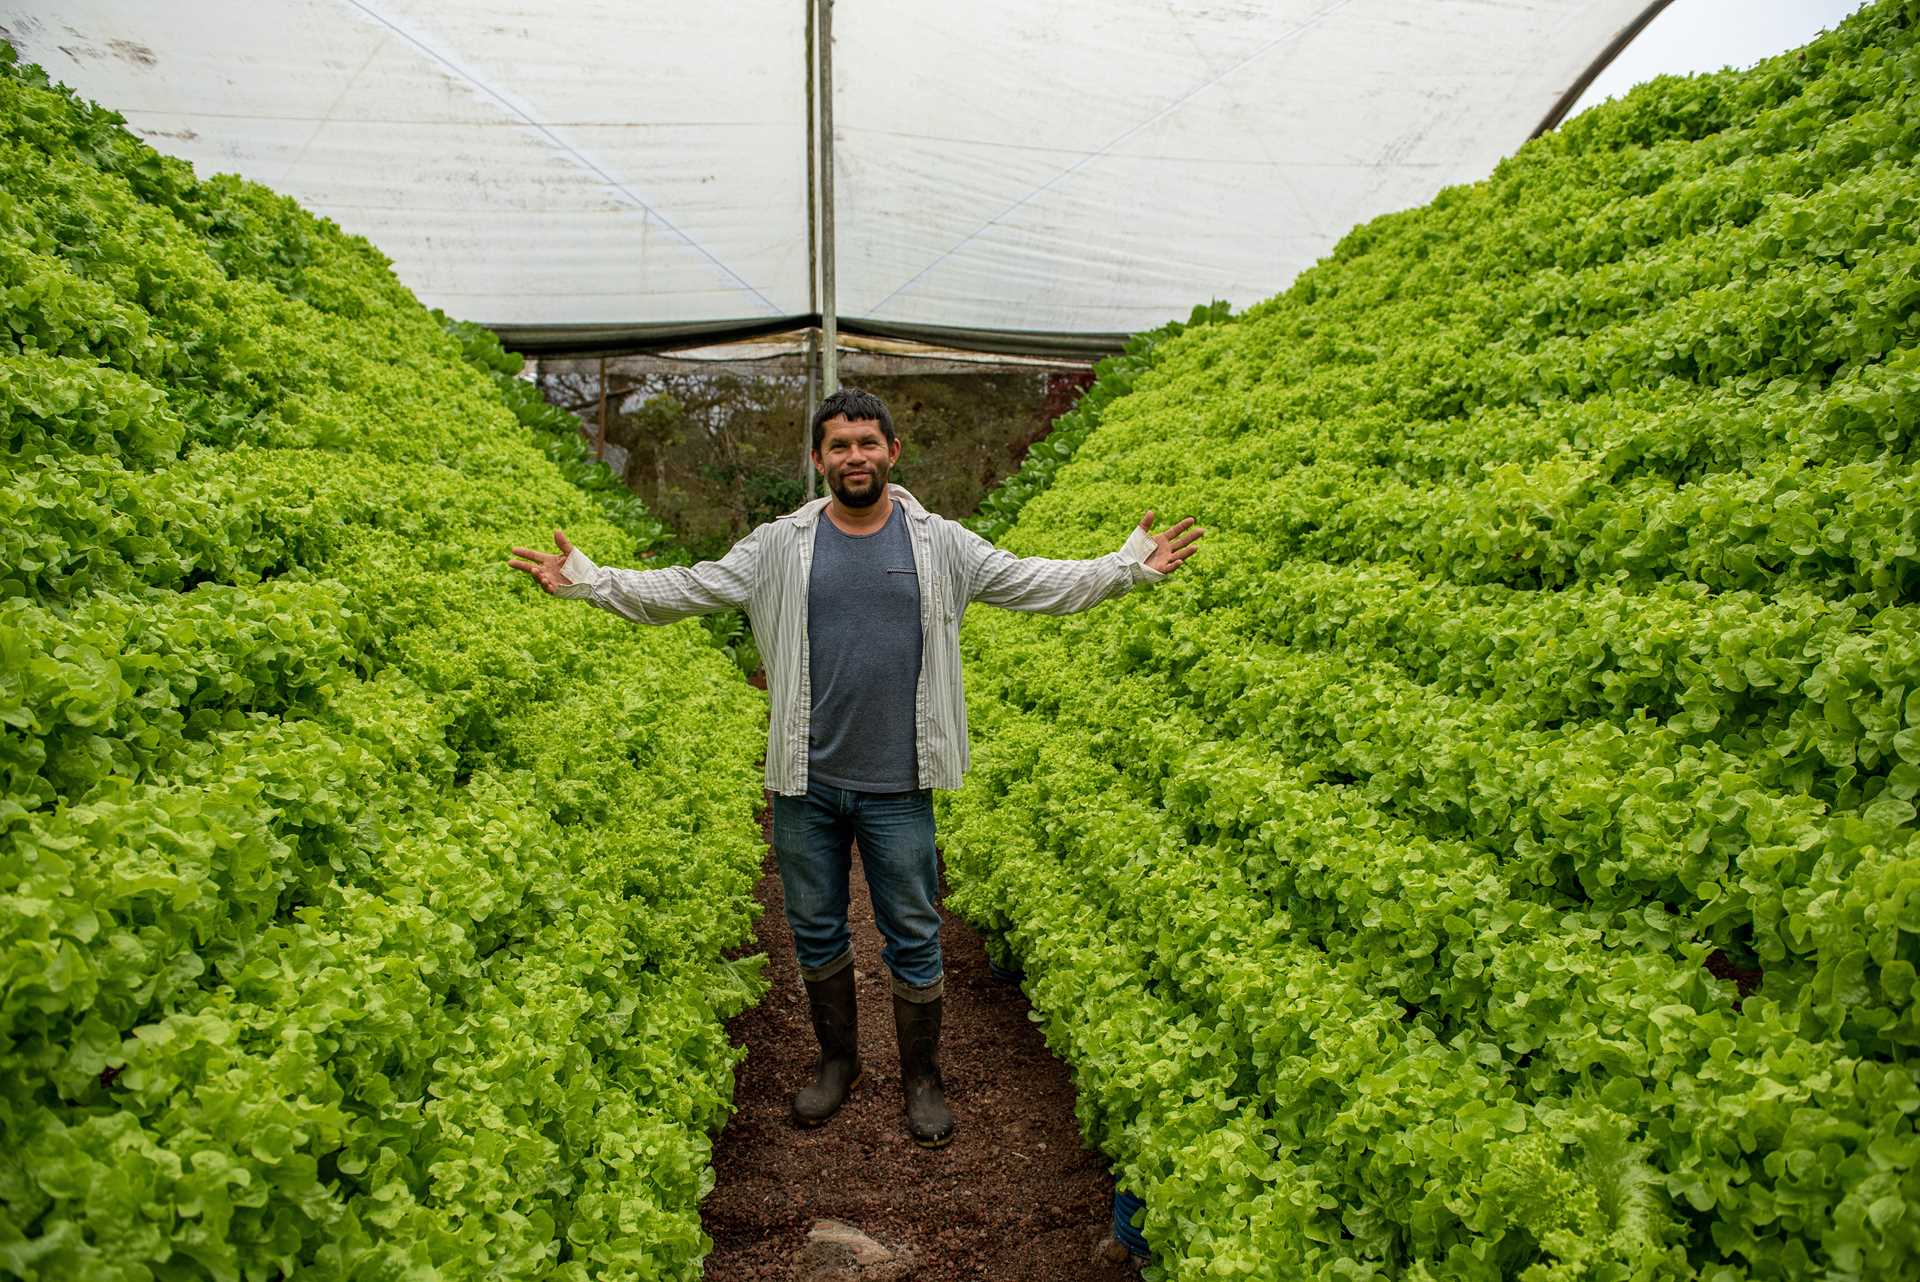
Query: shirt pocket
<point x="901" y="583"/>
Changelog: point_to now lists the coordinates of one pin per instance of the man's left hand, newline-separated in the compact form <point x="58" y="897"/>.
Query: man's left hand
<point x="1172" y="546"/>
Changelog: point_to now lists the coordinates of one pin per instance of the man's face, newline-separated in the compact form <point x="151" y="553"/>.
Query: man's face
<point x="855" y="456"/>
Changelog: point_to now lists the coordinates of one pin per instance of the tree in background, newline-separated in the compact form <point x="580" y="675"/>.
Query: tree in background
<point x="717" y="453"/>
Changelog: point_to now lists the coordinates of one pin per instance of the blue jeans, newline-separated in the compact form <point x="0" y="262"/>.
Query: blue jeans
<point x="813" y="837"/>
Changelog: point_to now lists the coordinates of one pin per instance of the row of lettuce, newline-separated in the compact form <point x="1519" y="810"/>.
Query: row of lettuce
<point x="1495" y="856"/>
<point x="363" y="913"/>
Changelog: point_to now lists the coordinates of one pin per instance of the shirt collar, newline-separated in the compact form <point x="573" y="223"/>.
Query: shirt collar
<point x="806" y="514"/>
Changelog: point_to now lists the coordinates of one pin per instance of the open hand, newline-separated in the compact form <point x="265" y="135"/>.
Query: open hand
<point x="1172" y="546"/>
<point x="545" y="566"/>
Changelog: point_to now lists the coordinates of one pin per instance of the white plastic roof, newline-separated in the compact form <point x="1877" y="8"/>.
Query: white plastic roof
<point x="1075" y="167"/>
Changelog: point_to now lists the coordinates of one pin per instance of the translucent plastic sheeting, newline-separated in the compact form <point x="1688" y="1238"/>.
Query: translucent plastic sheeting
<point x="588" y="161"/>
<point x="1094" y="167"/>
<point x="1106" y="166"/>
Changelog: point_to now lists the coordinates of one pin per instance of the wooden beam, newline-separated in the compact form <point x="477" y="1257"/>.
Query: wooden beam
<point x="600" y="438"/>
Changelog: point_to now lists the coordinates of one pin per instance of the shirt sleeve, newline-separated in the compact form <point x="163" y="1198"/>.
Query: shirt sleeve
<point x="1046" y="586"/>
<point x="670" y="593"/>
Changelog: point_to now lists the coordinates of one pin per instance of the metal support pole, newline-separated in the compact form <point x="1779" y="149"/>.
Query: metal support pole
<point x="813" y="263"/>
<point x="830" y="316"/>
<point x="600" y="437"/>
<point x="813" y="403"/>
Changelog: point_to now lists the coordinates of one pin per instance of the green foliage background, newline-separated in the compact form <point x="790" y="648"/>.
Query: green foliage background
<point x="1495" y="855"/>
<point x="361" y="909"/>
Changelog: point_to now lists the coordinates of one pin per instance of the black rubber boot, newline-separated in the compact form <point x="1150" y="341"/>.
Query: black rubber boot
<point x="836" y="1023"/>
<point x="917" y="1024"/>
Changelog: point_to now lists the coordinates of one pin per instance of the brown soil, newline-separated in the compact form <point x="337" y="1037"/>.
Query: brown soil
<point x="1013" y="1198"/>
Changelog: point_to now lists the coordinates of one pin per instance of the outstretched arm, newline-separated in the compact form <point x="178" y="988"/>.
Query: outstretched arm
<point x="1049" y="586"/>
<point x="646" y="596"/>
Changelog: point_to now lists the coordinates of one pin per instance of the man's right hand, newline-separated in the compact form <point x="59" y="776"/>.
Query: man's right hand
<point x="545" y="566"/>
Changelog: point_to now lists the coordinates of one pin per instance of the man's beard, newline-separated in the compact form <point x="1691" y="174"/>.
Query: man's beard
<point x="875" y="483"/>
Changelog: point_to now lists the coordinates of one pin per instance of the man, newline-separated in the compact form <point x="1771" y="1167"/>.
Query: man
<point x="858" y="620"/>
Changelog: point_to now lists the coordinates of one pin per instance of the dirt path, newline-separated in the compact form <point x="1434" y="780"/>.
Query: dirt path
<point x="1014" y="1197"/>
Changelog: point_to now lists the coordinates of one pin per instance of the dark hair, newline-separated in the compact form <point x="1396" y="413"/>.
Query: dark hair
<point x="858" y="405"/>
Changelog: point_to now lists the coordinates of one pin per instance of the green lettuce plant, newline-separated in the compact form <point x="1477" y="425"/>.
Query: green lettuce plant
<point x="1495" y="856"/>
<point x="366" y="914"/>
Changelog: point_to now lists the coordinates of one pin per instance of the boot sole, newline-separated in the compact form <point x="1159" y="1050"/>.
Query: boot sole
<point x="807" y="1123"/>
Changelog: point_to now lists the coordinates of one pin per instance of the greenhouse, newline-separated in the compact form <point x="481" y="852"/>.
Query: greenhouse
<point x="1493" y="855"/>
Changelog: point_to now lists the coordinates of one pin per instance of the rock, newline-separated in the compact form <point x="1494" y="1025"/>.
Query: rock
<point x="865" y="1250"/>
<point x="836" y="1252"/>
<point x="1108" y="1249"/>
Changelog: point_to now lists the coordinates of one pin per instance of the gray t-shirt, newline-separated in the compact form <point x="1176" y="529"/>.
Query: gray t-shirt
<point x="863" y="652"/>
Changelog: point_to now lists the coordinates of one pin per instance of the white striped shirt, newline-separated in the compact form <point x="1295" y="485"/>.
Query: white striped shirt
<point x="766" y="574"/>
